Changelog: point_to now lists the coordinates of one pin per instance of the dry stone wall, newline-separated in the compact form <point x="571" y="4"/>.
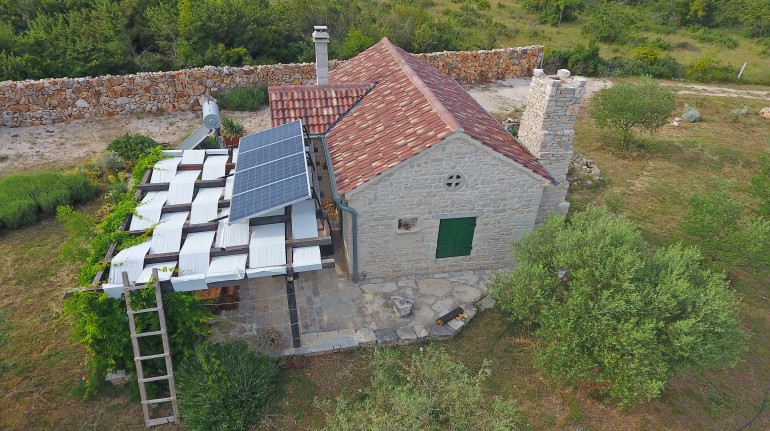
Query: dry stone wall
<point x="47" y="101"/>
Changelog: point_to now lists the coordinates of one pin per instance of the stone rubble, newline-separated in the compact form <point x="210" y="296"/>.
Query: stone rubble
<point x="765" y="113"/>
<point x="402" y="306"/>
<point x="583" y="171"/>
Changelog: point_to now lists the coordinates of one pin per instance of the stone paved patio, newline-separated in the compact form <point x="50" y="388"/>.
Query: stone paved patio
<point x="335" y="313"/>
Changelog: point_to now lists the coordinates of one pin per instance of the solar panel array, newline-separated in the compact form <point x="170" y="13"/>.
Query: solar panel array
<point x="271" y="171"/>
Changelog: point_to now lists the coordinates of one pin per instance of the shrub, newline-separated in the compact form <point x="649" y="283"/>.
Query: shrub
<point x="631" y="105"/>
<point x="716" y="223"/>
<point x="428" y="391"/>
<point x="691" y="114"/>
<point x="614" y="312"/>
<point x="100" y="324"/>
<point x="580" y="60"/>
<point x="131" y="147"/>
<point x="708" y="69"/>
<point x="243" y="98"/>
<point x="610" y="22"/>
<point x="225" y="387"/>
<point x="554" y="12"/>
<point x="24" y="197"/>
<point x="714" y="36"/>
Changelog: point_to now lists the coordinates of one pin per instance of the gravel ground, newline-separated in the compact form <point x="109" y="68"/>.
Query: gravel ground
<point x="67" y="144"/>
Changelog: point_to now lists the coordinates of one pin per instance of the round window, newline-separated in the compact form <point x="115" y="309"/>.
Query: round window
<point x="454" y="181"/>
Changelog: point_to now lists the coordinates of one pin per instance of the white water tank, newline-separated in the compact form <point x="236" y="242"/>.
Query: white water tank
<point x="211" y="118"/>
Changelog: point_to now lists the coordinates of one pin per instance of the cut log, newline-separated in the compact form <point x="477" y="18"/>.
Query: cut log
<point x="449" y="316"/>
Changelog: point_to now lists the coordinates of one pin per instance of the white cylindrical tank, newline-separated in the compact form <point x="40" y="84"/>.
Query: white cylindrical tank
<point x="211" y="118"/>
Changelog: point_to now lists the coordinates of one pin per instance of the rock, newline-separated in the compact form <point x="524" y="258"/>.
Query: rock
<point x="486" y="303"/>
<point x="406" y="333"/>
<point x="117" y="378"/>
<point x="765" y="112"/>
<point x="365" y="337"/>
<point x="740" y="112"/>
<point x="82" y="104"/>
<point x="402" y="306"/>
<point x="455" y="324"/>
<point x="386" y="336"/>
<point x="421" y="331"/>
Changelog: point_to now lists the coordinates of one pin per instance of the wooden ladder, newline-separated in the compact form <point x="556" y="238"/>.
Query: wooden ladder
<point x="138" y="358"/>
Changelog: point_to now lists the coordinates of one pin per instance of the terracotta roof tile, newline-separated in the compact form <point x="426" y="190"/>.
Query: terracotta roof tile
<point x="411" y="107"/>
<point x="318" y="106"/>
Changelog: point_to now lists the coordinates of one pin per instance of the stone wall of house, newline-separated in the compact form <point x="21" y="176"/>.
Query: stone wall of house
<point x="502" y="195"/>
<point x="546" y="130"/>
<point x="26" y="103"/>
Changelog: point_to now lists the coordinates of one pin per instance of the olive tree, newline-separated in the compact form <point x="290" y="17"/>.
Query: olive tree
<point x="610" y="310"/>
<point x="633" y="105"/>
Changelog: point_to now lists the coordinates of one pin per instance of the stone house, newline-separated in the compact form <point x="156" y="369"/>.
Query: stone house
<point x="426" y="180"/>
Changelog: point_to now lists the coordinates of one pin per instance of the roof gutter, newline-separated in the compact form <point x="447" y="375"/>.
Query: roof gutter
<point x="341" y="205"/>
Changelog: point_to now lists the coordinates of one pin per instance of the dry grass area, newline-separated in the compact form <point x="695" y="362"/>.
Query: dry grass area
<point x="40" y="368"/>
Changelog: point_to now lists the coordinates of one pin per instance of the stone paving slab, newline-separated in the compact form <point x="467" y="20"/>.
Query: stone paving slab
<point x="336" y="314"/>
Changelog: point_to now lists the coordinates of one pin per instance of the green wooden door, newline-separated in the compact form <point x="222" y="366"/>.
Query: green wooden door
<point x="455" y="237"/>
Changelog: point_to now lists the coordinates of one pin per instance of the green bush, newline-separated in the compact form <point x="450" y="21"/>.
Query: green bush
<point x="428" y="391"/>
<point x="131" y="147"/>
<point x="714" y="36"/>
<point x="580" y="60"/>
<point x="24" y="197"/>
<point x="614" y="312"/>
<point x="225" y="387"/>
<point x="610" y="22"/>
<point x="100" y="324"/>
<point x="708" y="69"/>
<point x="633" y="105"/>
<point x="554" y="12"/>
<point x="728" y="238"/>
<point x="243" y="98"/>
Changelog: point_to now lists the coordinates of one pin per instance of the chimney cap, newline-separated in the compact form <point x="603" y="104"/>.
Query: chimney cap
<point x="320" y="35"/>
<point x="320" y="28"/>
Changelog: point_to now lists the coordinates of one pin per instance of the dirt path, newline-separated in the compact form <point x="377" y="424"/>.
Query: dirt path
<point x="720" y="91"/>
<point x="67" y="144"/>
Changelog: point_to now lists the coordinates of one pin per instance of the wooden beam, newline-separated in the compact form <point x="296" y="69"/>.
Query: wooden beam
<point x="199" y="184"/>
<point x="205" y="227"/>
<point x="198" y="167"/>
<point x="187" y="207"/>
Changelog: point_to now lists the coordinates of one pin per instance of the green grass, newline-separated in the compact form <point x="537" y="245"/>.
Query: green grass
<point x="243" y="98"/>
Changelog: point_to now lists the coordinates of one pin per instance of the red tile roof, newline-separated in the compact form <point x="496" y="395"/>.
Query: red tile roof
<point x="318" y="106"/>
<point x="411" y="107"/>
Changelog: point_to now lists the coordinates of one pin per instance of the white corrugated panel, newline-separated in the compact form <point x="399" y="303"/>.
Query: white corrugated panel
<point x="267" y="250"/>
<point x="167" y="235"/>
<point x="181" y="187"/>
<point x="147" y="213"/>
<point x="229" y="182"/>
<point x="165" y="269"/>
<point x="165" y="170"/>
<point x="172" y="153"/>
<point x="130" y="260"/>
<point x="307" y="259"/>
<point x="303" y="221"/>
<point x="205" y="205"/>
<point x="113" y="290"/>
<point x="227" y="268"/>
<point x="193" y="157"/>
<point x="229" y="235"/>
<point x="217" y="152"/>
<point x="189" y="283"/>
<point x="235" y="155"/>
<point x="194" y="255"/>
<point x="214" y="167"/>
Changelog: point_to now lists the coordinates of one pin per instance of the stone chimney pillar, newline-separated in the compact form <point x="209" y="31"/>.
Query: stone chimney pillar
<point x="546" y="131"/>
<point x="321" y="39"/>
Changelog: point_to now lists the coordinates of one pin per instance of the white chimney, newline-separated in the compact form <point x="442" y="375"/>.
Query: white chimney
<point x="321" y="39"/>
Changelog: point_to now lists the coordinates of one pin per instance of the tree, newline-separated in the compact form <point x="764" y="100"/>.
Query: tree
<point x="631" y="105"/>
<point x="610" y="310"/>
<point x="427" y="391"/>
<point x="610" y="22"/>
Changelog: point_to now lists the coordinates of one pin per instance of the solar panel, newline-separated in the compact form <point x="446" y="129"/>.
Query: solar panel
<point x="271" y="172"/>
<point x="287" y="131"/>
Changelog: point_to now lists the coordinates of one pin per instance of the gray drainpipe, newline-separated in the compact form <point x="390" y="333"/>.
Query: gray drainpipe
<point x="343" y="207"/>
